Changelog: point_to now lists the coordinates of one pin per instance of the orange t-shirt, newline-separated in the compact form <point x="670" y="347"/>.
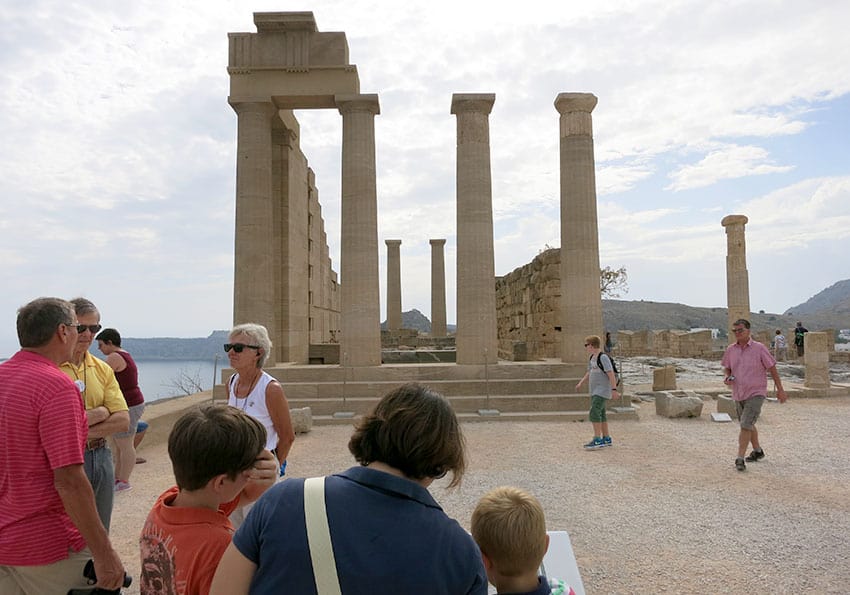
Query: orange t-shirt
<point x="181" y="547"/>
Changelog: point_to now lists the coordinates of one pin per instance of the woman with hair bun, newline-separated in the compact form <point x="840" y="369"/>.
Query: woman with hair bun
<point x="385" y="532"/>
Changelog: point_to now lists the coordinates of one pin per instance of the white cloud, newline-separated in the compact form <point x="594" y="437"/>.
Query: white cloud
<point x="727" y="162"/>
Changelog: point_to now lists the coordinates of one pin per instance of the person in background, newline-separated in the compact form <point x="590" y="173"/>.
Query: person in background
<point x="257" y="393"/>
<point x="219" y="463"/>
<point x="800" y="338"/>
<point x="509" y="526"/>
<point x="609" y="343"/>
<point x="49" y="525"/>
<point x="603" y="385"/>
<point x="141" y="428"/>
<point x="744" y="364"/>
<point x="127" y="374"/>
<point x="386" y="532"/>
<point x="780" y="347"/>
<point x="106" y="409"/>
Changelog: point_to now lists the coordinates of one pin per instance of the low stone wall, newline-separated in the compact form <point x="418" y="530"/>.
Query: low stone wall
<point x="667" y="343"/>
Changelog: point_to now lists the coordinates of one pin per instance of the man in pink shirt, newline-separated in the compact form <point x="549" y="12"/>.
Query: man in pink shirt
<point x="49" y="525"/>
<point x="746" y="364"/>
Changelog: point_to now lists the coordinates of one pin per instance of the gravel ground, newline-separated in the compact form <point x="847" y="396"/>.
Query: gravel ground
<point x="663" y="511"/>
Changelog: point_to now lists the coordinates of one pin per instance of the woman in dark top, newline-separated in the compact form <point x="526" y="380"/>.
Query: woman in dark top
<point x="109" y="343"/>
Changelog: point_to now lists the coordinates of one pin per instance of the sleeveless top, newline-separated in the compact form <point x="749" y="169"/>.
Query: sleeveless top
<point x="128" y="380"/>
<point x="255" y="404"/>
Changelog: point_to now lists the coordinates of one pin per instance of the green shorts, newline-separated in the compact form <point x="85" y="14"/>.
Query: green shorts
<point x="597" y="409"/>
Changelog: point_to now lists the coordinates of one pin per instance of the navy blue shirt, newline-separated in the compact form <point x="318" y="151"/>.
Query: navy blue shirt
<point x="389" y="535"/>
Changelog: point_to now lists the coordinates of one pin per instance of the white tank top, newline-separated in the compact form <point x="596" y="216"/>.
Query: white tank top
<point x="255" y="405"/>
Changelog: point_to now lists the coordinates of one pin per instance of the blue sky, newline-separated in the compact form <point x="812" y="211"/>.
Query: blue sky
<point x="118" y="171"/>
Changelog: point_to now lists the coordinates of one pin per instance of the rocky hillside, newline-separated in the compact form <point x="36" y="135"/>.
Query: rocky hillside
<point x="833" y="301"/>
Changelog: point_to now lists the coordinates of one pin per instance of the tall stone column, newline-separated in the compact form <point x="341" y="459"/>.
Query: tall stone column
<point x="360" y="343"/>
<point x="737" y="277"/>
<point x="817" y="360"/>
<point x="254" y="275"/>
<point x="393" y="285"/>
<point x="581" y="298"/>
<point x="438" y="288"/>
<point x="476" y="278"/>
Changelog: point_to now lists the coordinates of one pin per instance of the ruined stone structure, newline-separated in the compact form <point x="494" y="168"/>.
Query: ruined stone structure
<point x="284" y="280"/>
<point x="817" y="360"/>
<point x="528" y="306"/>
<point x="476" y="300"/>
<point x="737" y="277"/>
<point x="581" y="299"/>
<point x="438" y="288"/>
<point x="283" y="277"/>
<point x="668" y="343"/>
<point x="393" y="284"/>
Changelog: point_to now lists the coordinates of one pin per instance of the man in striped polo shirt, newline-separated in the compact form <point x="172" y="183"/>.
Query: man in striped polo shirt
<point x="49" y="526"/>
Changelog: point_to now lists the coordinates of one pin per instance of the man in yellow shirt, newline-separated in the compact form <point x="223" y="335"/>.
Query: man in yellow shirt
<point x="106" y="409"/>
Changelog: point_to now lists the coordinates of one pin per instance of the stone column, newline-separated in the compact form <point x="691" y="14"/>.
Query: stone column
<point x="581" y="298"/>
<point x="360" y="312"/>
<point x="393" y="285"/>
<point x="476" y="278"/>
<point x="254" y="275"/>
<point x="438" y="288"/>
<point x="817" y="360"/>
<point x="737" y="277"/>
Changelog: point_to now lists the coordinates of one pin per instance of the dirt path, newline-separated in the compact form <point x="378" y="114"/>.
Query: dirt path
<point x="663" y="511"/>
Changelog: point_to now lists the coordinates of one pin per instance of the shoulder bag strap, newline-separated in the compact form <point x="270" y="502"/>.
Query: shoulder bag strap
<point x="319" y="537"/>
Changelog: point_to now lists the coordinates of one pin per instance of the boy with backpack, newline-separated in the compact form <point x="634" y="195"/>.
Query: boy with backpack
<point x="603" y="386"/>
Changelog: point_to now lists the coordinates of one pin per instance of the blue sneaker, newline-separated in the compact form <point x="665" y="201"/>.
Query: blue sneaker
<point x="606" y="441"/>
<point x="597" y="442"/>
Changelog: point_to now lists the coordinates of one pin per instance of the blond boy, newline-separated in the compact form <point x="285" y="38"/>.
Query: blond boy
<point x="509" y="526"/>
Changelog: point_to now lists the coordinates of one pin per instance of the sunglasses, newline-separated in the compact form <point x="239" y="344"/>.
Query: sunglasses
<point x="587" y="344"/>
<point x="738" y="330"/>
<point x="238" y="347"/>
<point x="81" y="328"/>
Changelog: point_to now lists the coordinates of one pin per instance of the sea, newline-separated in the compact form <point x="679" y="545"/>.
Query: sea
<point x="162" y="379"/>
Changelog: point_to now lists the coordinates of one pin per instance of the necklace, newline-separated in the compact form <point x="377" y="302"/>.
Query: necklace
<point x="244" y="399"/>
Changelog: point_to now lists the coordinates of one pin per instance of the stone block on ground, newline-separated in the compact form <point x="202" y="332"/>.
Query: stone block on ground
<point x="302" y="420"/>
<point x="668" y="404"/>
<point x="664" y="378"/>
<point x="727" y="405"/>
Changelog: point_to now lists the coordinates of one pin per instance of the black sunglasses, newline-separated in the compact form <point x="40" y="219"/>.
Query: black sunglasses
<point x="94" y="328"/>
<point x="238" y="347"/>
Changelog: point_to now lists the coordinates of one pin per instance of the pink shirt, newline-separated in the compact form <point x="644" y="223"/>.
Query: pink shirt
<point x="42" y="427"/>
<point x="749" y="365"/>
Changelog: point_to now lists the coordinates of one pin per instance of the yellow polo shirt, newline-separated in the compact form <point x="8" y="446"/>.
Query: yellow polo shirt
<point x="101" y="385"/>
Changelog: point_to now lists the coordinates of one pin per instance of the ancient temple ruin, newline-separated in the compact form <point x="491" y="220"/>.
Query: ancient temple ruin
<point x="283" y="276"/>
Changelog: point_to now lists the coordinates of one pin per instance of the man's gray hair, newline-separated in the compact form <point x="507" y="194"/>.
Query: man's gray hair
<point x="82" y="306"/>
<point x="259" y="335"/>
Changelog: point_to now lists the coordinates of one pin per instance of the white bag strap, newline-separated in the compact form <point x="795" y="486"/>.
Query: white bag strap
<point x="319" y="537"/>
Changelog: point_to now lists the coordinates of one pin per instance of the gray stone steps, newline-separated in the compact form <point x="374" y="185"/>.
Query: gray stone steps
<point x="461" y="404"/>
<point x="474" y="417"/>
<point x="448" y="388"/>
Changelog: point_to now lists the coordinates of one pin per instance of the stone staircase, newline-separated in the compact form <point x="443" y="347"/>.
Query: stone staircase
<point x="519" y="391"/>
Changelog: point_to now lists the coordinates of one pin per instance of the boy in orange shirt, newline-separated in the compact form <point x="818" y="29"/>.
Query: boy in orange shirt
<point x="217" y="453"/>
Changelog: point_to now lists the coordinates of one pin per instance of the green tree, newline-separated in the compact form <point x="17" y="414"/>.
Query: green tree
<point x="612" y="282"/>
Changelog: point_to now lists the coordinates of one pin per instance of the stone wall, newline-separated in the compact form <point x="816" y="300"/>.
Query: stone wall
<point x="528" y="309"/>
<point x="667" y="343"/>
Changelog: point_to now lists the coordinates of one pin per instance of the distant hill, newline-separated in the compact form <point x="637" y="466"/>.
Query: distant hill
<point x="414" y="319"/>
<point x="173" y="348"/>
<point x="833" y="303"/>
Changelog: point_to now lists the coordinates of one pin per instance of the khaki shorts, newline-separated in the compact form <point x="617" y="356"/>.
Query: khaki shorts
<point x="749" y="411"/>
<point x="58" y="577"/>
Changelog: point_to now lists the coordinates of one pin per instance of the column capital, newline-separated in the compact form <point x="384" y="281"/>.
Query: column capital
<point x="391" y="243"/>
<point x="566" y="103"/>
<point x="734" y="220"/>
<point x="252" y="104"/>
<point x="437" y="242"/>
<point x="473" y="102"/>
<point x="358" y="102"/>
